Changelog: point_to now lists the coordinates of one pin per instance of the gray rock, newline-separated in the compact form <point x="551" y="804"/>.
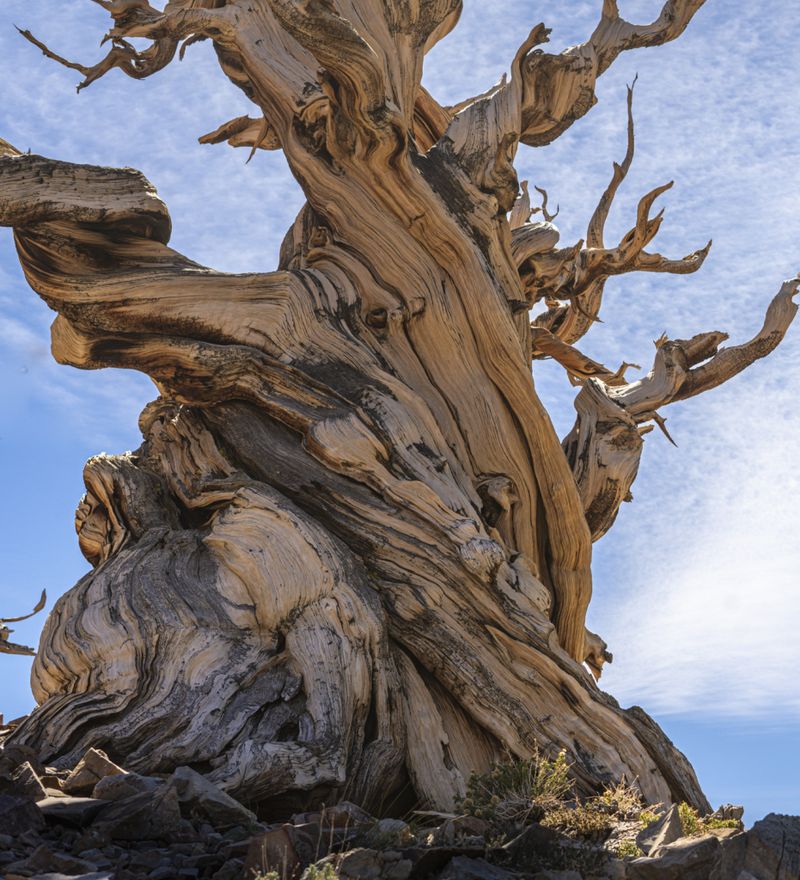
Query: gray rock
<point x="557" y="875"/>
<point x="45" y="860"/>
<point x="731" y="859"/>
<point x="455" y="830"/>
<point x="397" y="870"/>
<point x="124" y="785"/>
<point x="389" y="833"/>
<point x="728" y="811"/>
<point x="464" y="868"/>
<point x="6" y="841"/>
<point x="202" y="799"/>
<point x="91" y="768"/>
<point x="773" y="848"/>
<point x="164" y="872"/>
<point x="23" y="782"/>
<point x="663" y="831"/>
<point x="74" y="811"/>
<point x="13" y="755"/>
<point x="231" y="870"/>
<point x="142" y="817"/>
<point x="534" y="846"/>
<point x="18" y="815"/>
<point x="690" y="858"/>
<point x="96" y="875"/>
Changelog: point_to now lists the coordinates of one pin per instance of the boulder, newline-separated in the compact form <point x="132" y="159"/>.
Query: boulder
<point x="142" y="817"/>
<point x="342" y="815"/>
<point x="23" y="782"/>
<point x="18" y="815"/>
<point x="360" y="864"/>
<point x="464" y="868"/>
<point x="773" y="848"/>
<point x="96" y="875"/>
<point x="74" y="811"/>
<point x="125" y="785"/>
<point x="663" y="831"/>
<point x="13" y="755"/>
<point x="389" y="833"/>
<point x="44" y="860"/>
<point x="534" y="847"/>
<point x="201" y="799"/>
<point x="557" y="875"/>
<point x="92" y="767"/>
<point x="453" y="830"/>
<point x="273" y="850"/>
<point x="731" y="859"/>
<point x="690" y="858"/>
<point x="729" y="811"/>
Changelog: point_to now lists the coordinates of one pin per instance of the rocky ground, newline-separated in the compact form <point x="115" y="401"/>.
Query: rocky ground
<point x="97" y="821"/>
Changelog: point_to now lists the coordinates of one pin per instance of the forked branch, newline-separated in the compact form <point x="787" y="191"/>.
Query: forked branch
<point x="572" y="280"/>
<point x="605" y="445"/>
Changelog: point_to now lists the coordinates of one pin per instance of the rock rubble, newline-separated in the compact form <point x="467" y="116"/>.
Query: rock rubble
<point x="99" y="822"/>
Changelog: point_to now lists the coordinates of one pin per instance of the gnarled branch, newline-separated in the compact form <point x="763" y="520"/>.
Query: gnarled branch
<point x="605" y="445"/>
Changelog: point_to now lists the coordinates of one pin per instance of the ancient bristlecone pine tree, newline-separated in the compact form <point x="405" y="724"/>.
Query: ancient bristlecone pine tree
<point x="351" y="557"/>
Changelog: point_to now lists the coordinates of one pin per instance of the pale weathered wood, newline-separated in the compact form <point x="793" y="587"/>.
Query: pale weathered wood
<point x="6" y="645"/>
<point x="351" y="557"/>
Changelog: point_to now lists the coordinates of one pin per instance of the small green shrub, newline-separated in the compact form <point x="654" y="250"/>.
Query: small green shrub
<point x="621" y="800"/>
<point x="315" y="872"/>
<point x="694" y="825"/>
<point x="519" y="790"/>
<point x="647" y="817"/>
<point x="581" y="822"/>
<point x="627" y="849"/>
<point x="690" y="820"/>
<point x="711" y="822"/>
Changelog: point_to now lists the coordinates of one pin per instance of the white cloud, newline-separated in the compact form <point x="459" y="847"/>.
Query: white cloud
<point x="706" y="619"/>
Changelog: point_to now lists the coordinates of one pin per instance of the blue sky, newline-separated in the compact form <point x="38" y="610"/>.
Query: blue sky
<point x="697" y="587"/>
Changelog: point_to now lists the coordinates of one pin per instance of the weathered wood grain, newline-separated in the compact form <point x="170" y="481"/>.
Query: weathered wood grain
<point x="351" y="557"/>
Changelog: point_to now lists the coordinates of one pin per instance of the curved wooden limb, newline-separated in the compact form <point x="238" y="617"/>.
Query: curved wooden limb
<point x="605" y="445"/>
<point x="9" y="647"/>
<point x="572" y="280"/>
<point x="577" y="364"/>
<point x="135" y="19"/>
<point x="559" y="89"/>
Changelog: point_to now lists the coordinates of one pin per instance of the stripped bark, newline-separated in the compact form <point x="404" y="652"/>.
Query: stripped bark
<point x="351" y="555"/>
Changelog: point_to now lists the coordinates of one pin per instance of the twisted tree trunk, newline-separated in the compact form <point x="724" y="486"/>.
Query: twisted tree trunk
<point x="351" y="556"/>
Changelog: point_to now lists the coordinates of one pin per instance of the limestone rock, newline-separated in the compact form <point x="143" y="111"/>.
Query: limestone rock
<point x="142" y="817"/>
<point x="360" y="864"/>
<point x="729" y="811"/>
<point x="453" y="830"/>
<point x="273" y="850"/>
<point x="90" y="770"/>
<point x="95" y="875"/>
<point x="773" y="848"/>
<point x="392" y="833"/>
<point x="686" y="859"/>
<point x="663" y="831"/>
<point x="44" y="860"/>
<point x="23" y="782"/>
<point x="18" y="815"/>
<point x="125" y="785"/>
<point x="463" y="868"/>
<point x="74" y="811"/>
<point x="202" y="799"/>
<point x="534" y="846"/>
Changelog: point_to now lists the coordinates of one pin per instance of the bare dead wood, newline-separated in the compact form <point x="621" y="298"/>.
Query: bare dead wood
<point x="350" y="510"/>
<point x="9" y="647"/>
